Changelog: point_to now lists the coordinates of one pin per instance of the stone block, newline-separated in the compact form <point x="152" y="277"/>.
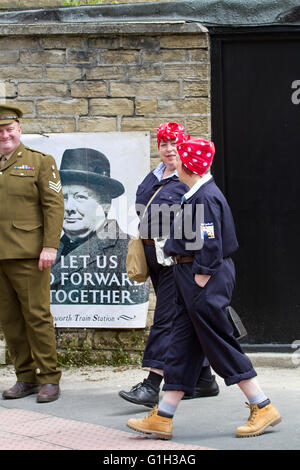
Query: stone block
<point x="26" y="106"/>
<point x="133" y="339"/>
<point x="6" y="4"/>
<point x="64" y="73"/>
<point x="38" y="3"/>
<point x="198" y="125"/>
<point x="9" y="56"/>
<point x="145" y="89"/>
<point x="17" y="43"/>
<point x="111" y="107"/>
<point x="145" y="71"/>
<point x="150" y="319"/>
<point x="152" y="296"/>
<point x="48" y="125"/>
<point x="106" y="72"/>
<point x="101" y="124"/>
<point x="199" y="55"/>
<point x="43" y="57"/>
<point x="146" y="106"/>
<point x="42" y="89"/>
<point x="164" y="56"/>
<point x="186" y="71"/>
<point x="140" y="124"/>
<point x="81" y="56"/>
<point x="88" y="89"/>
<point x="187" y="41"/>
<point x="184" y="106"/>
<point x="8" y="90"/>
<point x="155" y="159"/>
<point x="106" y="339"/>
<point x="104" y="43"/>
<point x="20" y="72"/>
<point x="62" y="42"/>
<point x="195" y="88"/>
<point x="59" y="107"/>
<point x="118" y="57"/>
<point x="140" y="42"/>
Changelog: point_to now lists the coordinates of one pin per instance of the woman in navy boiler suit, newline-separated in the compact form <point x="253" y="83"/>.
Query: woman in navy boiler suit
<point x="204" y="278"/>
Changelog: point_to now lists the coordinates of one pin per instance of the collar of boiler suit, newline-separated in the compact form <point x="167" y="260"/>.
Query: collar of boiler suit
<point x="197" y="185"/>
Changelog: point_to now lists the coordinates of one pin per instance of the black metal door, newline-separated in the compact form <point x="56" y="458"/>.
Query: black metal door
<point x="256" y="129"/>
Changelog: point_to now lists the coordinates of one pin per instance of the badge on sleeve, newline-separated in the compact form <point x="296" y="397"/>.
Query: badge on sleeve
<point x="207" y="231"/>
<point x="55" y="186"/>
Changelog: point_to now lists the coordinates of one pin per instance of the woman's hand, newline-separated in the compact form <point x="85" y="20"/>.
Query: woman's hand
<point x="202" y="279"/>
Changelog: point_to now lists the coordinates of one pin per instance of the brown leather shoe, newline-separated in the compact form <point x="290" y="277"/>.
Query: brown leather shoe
<point x="48" y="392"/>
<point x="20" y="390"/>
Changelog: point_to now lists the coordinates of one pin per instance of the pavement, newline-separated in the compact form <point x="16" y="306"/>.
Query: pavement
<point x="90" y="415"/>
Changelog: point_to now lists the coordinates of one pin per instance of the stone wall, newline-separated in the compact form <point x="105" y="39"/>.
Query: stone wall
<point x="9" y="4"/>
<point x="107" y="82"/>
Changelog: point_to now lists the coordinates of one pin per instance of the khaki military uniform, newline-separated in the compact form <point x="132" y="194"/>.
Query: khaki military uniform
<point x="31" y="217"/>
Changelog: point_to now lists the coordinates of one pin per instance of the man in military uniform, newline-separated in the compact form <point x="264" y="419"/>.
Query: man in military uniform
<point x="31" y="217"/>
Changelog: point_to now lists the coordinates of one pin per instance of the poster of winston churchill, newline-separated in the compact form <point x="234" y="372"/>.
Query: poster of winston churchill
<point x="89" y="283"/>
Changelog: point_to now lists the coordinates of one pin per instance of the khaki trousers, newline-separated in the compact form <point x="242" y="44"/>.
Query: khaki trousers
<point x="27" y="322"/>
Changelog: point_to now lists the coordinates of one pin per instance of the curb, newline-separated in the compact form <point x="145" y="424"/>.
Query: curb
<point x="282" y="360"/>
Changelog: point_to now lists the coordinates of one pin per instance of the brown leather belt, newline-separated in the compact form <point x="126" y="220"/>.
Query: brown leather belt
<point x="183" y="259"/>
<point x="148" y="242"/>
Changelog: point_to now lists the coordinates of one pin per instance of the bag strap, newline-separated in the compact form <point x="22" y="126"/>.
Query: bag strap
<point x="151" y="199"/>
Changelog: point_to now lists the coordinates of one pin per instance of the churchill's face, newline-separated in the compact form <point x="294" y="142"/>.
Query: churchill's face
<point x="84" y="211"/>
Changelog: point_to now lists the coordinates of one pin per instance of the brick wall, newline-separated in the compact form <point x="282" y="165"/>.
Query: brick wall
<point x="89" y="82"/>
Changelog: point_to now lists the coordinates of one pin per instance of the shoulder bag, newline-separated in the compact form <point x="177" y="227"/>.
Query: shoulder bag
<point x="136" y="264"/>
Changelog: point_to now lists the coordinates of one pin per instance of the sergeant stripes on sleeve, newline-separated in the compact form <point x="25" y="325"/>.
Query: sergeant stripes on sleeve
<point x="55" y="186"/>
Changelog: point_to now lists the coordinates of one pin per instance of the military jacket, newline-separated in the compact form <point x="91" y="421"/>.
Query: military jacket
<point x="32" y="204"/>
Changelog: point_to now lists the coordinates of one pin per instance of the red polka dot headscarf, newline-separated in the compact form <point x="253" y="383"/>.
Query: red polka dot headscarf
<point x="196" y="154"/>
<point x="170" y="131"/>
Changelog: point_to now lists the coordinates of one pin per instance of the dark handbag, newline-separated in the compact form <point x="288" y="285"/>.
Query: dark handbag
<point x="239" y="330"/>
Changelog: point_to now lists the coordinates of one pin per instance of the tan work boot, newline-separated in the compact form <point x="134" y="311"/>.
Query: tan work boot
<point x="259" y="420"/>
<point x="160" y="426"/>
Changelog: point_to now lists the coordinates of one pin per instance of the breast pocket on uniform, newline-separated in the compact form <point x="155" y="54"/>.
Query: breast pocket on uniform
<point x="26" y="227"/>
<point x="21" y="182"/>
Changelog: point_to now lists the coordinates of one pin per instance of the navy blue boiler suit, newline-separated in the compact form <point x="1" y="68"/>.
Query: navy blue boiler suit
<point x="201" y="327"/>
<point x="161" y="276"/>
